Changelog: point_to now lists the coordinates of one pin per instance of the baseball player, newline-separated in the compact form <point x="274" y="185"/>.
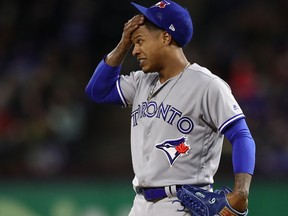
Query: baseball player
<point x="180" y="113"/>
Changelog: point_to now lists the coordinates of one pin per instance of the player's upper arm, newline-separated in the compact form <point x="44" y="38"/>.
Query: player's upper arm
<point x="219" y="105"/>
<point x="129" y="84"/>
<point x="243" y="146"/>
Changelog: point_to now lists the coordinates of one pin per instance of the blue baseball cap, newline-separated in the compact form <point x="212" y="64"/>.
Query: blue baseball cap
<point x="170" y="17"/>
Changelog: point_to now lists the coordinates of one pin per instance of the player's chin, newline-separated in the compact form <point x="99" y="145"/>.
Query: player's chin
<point x="146" y="69"/>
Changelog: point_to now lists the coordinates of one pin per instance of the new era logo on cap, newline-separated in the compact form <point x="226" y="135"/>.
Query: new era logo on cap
<point x="172" y="28"/>
<point x="170" y="17"/>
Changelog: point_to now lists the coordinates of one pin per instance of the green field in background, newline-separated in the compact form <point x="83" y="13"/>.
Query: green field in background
<point x="110" y="199"/>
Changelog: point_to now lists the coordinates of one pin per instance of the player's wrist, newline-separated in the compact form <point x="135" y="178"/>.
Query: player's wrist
<point x="238" y="200"/>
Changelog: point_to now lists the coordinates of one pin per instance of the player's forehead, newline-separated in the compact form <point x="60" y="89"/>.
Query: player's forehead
<point x="142" y="32"/>
<point x="139" y="32"/>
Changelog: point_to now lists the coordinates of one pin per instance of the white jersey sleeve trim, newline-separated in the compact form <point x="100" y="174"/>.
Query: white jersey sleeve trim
<point x="229" y="121"/>
<point x="120" y="93"/>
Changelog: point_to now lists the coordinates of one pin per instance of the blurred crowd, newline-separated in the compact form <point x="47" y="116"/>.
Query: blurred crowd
<point x="49" y="49"/>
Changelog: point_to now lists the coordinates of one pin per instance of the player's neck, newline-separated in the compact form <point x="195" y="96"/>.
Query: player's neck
<point x="175" y="62"/>
<point x="172" y="70"/>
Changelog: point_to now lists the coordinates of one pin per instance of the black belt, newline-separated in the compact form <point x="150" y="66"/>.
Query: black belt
<point x="153" y="194"/>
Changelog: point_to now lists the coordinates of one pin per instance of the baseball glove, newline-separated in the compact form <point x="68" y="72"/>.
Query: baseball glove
<point x="204" y="203"/>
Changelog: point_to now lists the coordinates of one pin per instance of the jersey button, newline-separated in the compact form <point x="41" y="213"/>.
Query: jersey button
<point x="149" y="134"/>
<point x="147" y="158"/>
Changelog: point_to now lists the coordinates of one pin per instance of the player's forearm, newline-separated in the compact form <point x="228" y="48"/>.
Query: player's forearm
<point x="102" y="87"/>
<point x="242" y="184"/>
<point x="238" y="199"/>
<point x="117" y="56"/>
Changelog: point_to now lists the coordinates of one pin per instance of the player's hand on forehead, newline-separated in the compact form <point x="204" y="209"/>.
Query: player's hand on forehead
<point x="136" y="20"/>
<point x="129" y="27"/>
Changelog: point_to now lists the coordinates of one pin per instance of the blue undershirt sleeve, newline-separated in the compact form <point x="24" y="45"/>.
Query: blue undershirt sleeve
<point x="243" y="147"/>
<point x="103" y="86"/>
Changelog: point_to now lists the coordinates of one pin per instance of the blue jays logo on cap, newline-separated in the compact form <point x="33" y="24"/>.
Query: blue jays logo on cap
<point x="174" y="148"/>
<point x="170" y="17"/>
<point x="162" y="4"/>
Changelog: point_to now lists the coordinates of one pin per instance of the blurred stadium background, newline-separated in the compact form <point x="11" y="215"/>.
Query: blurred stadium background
<point x="62" y="155"/>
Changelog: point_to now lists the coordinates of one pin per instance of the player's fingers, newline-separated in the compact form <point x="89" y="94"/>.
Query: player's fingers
<point x="134" y="21"/>
<point x="132" y="25"/>
<point x="129" y="27"/>
<point x="136" y="18"/>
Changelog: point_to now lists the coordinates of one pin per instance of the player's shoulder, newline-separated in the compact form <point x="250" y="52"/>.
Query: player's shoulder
<point x="201" y="71"/>
<point x="139" y="74"/>
<point x="204" y="75"/>
<point x="139" y="77"/>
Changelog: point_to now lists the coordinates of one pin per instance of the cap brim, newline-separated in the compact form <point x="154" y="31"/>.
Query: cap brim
<point x="146" y="13"/>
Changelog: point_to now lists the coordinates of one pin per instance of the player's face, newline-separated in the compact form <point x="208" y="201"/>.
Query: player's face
<point x="147" y="48"/>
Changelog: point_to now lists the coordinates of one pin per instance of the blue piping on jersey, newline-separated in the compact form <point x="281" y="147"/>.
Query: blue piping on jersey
<point x="125" y="104"/>
<point x="230" y="121"/>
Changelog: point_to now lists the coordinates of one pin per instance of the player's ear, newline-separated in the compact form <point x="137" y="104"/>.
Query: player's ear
<point x="167" y="38"/>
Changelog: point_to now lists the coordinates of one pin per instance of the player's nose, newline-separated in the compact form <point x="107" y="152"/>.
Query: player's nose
<point x="136" y="50"/>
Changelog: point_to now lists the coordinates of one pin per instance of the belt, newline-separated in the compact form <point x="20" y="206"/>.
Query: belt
<point x="154" y="194"/>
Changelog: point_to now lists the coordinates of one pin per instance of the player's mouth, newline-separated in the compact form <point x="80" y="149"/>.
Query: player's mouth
<point x="141" y="62"/>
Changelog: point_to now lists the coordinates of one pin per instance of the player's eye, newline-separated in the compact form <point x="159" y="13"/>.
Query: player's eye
<point x="140" y="41"/>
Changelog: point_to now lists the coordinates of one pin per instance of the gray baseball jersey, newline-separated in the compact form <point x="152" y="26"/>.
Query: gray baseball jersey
<point x="176" y="126"/>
